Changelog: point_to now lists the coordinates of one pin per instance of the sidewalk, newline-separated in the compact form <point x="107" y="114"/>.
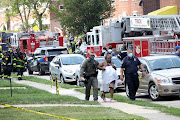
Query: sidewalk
<point x="127" y="108"/>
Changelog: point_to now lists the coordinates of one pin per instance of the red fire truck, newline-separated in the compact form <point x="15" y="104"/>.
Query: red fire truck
<point x="143" y="45"/>
<point x="30" y="42"/>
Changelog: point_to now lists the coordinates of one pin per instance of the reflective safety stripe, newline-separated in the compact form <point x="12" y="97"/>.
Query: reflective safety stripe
<point x="14" y="59"/>
<point x="25" y="62"/>
<point x="19" y="76"/>
<point x="6" y="58"/>
<point x="4" y="63"/>
<point x="19" y="66"/>
<point x="19" y="60"/>
<point x="14" y="64"/>
<point x="1" y="75"/>
<point x="124" y="51"/>
<point x="8" y="76"/>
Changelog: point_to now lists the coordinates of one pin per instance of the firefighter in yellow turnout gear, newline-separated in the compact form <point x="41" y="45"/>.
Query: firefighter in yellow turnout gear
<point x="8" y="63"/>
<point x="20" y="63"/>
<point x="1" y="58"/>
<point x="72" y="45"/>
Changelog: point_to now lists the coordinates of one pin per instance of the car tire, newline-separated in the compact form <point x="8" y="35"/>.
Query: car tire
<point x="153" y="92"/>
<point x="41" y="72"/>
<point x="127" y="90"/>
<point x="30" y="72"/>
<point x="77" y="81"/>
<point x="62" y="79"/>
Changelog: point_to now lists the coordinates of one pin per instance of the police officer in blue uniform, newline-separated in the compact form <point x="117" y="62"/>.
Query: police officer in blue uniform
<point x="130" y="66"/>
<point x="177" y="53"/>
<point x="123" y="53"/>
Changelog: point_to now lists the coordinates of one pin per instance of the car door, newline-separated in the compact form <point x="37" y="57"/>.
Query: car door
<point x="35" y="61"/>
<point x="143" y="79"/>
<point x="59" y="72"/>
<point x="56" y="67"/>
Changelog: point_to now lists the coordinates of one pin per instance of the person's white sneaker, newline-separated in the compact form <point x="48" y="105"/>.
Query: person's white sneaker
<point x="111" y="100"/>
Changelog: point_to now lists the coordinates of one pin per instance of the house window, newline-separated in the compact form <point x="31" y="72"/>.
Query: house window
<point x="61" y="7"/>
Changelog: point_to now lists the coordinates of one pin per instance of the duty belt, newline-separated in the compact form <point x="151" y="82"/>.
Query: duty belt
<point x="131" y="73"/>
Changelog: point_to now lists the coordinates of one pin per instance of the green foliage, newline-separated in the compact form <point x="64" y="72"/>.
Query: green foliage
<point x="4" y="28"/>
<point x="40" y="7"/>
<point x="23" y="13"/>
<point x="5" y="3"/>
<point x="82" y="15"/>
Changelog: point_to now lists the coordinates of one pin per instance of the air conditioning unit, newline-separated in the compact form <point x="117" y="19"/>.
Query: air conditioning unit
<point x="134" y="13"/>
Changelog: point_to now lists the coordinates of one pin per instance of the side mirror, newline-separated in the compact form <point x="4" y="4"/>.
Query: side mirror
<point x="145" y="68"/>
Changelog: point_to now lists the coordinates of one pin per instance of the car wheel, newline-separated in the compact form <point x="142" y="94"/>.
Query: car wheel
<point x="30" y="72"/>
<point x="153" y="92"/>
<point x="79" y="83"/>
<point x="127" y="90"/>
<point x="62" y="79"/>
<point x="41" y="72"/>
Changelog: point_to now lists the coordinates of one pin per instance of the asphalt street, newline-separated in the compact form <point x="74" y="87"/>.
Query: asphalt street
<point x="170" y="101"/>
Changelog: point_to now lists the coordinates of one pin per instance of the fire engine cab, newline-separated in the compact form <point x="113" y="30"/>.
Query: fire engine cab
<point x="101" y="36"/>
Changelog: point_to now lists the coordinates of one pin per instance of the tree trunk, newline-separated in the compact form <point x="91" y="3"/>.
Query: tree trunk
<point x="40" y="22"/>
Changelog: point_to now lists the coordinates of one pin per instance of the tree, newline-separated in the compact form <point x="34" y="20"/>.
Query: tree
<point x="82" y="15"/>
<point x="22" y="9"/>
<point x="4" y="28"/>
<point x="5" y="3"/>
<point x="40" y="7"/>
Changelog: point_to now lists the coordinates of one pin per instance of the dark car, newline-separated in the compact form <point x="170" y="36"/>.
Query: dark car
<point x="41" y="58"/>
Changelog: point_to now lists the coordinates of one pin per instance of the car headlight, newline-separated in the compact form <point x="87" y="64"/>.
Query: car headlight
<point x="67" y="70"/>
<point x="162" y="79"/>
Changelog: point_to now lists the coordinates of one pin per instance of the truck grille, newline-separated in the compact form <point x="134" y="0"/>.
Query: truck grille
<point x="176" y="80"/>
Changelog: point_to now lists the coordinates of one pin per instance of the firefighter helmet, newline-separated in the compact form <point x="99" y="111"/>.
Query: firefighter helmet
<point x="10" y="49"/>
<point x="18" y="49"/>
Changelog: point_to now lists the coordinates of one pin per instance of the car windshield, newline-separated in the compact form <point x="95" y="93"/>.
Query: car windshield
<point x="72" y="60"/>
<point x="165" y="63"/>
<point x="116" y="61"/>
<point x="57" y="51"/>
<point x="37" y="52"/>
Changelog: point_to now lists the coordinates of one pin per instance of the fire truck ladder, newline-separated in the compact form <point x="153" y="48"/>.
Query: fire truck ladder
<point x="159" y="23"/>
<point x="165" y="23"/>
<point x="163" y="47"/>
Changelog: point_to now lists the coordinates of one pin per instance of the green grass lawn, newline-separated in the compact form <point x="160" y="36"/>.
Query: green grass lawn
<point x="120" y="98"/>
<point x="82" y="113"/>
<point x="32" y="95"/>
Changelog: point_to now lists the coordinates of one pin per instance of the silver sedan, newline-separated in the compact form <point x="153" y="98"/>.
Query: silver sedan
<point x="65" y="66"/>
